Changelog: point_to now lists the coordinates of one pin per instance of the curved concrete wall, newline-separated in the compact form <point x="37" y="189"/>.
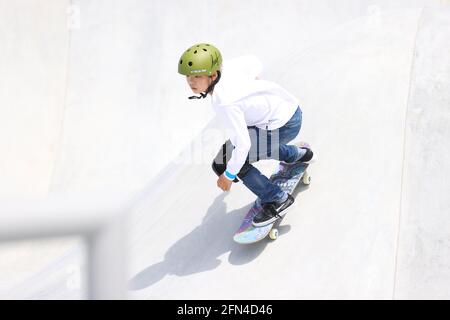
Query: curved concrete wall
<point x="34" y="42"/>
<point x="112" y="112"/>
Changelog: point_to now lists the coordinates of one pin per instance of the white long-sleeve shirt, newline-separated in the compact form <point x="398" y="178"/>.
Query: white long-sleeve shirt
<point x="241" y="100"/>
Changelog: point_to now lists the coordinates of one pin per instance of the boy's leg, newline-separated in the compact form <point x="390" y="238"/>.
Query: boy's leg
<point x="273" y="144"/>
<point x="265" y="144"/>
<point x="252" y="178"/>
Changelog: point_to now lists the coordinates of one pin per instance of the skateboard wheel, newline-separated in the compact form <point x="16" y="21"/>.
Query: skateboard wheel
<point x="273" y="234"/>
<point x="306" y="178"/>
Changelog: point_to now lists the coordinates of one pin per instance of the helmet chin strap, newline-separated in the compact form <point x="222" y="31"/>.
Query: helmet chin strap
<point x="202" y="95"/>
<point x="210" y="88"/>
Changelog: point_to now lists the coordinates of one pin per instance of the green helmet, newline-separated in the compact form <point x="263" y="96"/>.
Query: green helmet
<point x="200" y="60"/>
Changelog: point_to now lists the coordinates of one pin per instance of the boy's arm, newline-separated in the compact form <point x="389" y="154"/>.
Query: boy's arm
<point x="239" y="136"/>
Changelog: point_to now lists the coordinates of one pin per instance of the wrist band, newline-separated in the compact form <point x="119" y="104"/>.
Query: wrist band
<point x="229" y="175"/>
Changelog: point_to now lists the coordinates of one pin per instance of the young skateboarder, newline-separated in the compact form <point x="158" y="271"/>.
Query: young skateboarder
<point x="261" y="116"/>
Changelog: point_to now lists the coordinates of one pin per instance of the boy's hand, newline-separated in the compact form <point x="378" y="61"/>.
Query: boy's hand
<point x="224" y="183"/>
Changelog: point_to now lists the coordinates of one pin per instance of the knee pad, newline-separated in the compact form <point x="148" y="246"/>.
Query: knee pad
<point x="219" y="169"/>
<point x="244" y="170"/>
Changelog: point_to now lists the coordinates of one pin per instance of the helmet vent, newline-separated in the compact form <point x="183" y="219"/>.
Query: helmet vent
<point x="181" y="61"/>
<point x="190" y="63"/>
<point x="195" y="52"/>
<point x="205" y="50"/>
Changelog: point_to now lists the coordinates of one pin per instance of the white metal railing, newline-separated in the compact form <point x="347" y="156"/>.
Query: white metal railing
<point x="98" y="218"/>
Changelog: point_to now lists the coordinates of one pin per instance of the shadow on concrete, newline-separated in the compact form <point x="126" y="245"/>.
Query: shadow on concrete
<point x="201" y="249"/>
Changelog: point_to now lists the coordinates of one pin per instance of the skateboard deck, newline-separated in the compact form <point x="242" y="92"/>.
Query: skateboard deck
<point x="287" y="176"/>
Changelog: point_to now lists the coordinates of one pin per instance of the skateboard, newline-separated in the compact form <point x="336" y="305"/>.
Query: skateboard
<point x="287" y="176"/>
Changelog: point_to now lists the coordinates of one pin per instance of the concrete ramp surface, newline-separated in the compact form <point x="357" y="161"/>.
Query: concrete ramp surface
<point x="373" y="82"/>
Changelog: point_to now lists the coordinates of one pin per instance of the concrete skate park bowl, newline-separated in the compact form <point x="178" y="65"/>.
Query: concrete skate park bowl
<point x="91" y="103"/>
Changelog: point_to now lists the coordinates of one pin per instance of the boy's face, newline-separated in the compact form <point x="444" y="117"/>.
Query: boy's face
<point x="199" y="84"/>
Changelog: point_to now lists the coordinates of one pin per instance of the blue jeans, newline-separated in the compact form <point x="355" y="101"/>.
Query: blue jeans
<point x="275" y="143"/>
<point x="266" y="144"/>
